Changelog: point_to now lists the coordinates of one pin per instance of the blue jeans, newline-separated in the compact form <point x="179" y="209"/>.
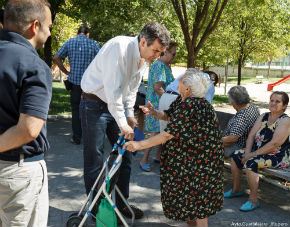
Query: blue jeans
<point x="75" y="98"/>
<point x="97" y="121"/>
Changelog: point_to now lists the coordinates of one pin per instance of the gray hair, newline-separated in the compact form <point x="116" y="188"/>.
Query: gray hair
<point x="20" y="13"/>
<point x="154" y="30"/>
<point x="197" y="81"/>
<point x="239" y="95"/>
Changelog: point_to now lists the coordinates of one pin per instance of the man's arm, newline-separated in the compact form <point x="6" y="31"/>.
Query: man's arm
<point x="58" y="60"/>
<point x="26" y="130"/>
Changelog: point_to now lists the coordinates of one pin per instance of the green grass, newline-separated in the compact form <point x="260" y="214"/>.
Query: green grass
<point x="60" y="102"/>
<point x="219" y="99"/>
<point x="252" y="79"/>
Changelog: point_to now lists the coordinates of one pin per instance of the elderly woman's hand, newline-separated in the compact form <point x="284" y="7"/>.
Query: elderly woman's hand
<point x="132" y="146"/>
<point x="148" y="110"/>
<point x="248" y="156"/>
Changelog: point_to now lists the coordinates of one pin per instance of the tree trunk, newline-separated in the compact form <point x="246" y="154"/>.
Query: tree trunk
<point x="226" y="75"/>
<point x="203" y="66"/>
<point x="47" y="45"/>
<point x="47" y="52"/>
<point x="269" y="66"/>
<point x="240" y="71"/>
<point x="190" y="60"/>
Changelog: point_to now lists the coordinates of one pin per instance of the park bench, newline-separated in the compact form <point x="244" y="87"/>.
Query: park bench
<point x="259" y="79"/>
<point x="280" y="173"/>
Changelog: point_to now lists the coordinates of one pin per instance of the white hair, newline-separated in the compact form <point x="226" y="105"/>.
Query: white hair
<point x="197" y="81"/>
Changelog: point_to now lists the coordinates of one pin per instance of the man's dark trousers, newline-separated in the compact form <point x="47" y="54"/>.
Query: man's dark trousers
<point x="75" y="98"/>
<point x="96" y="123"/>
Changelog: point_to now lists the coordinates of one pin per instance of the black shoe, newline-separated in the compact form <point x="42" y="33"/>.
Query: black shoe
<point x="75" y="142"/>
<point x="126" y="212"/>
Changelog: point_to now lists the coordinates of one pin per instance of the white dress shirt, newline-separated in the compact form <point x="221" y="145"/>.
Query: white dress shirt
<point x="114" y="76"/>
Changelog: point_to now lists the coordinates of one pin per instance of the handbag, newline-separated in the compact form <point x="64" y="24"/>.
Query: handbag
<point x="106" y="216"/>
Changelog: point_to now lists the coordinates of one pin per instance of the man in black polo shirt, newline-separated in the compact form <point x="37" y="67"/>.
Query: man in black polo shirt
<point x="25" y="91"/>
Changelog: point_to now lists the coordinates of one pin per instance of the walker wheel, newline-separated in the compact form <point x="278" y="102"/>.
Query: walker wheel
<point x="74" y="221"/>
<point x="75" y="214"/>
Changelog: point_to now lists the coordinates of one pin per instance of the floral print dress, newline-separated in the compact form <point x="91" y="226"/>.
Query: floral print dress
<point x="278" y="158"/>
<point x="158" y="72"/>
<point x="191" y="168"/>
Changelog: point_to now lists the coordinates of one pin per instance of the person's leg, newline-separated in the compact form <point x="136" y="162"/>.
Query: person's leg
<point x="253" y="182"/>
<point x="231" y="149"/>
<point x="157" y="155"/>
<point x="94" y="126"/>
<point x="147" y="151"/>
<point x="40" y="214"/>
<point x="125" y="168"/>
<point x="145" y="157"/>
<point x="202" y="222"/>
<point x="20" y="195"/>
<point x="237" y="177"/>
<point x="141" y="120"/>
<point x="75" y="97"/>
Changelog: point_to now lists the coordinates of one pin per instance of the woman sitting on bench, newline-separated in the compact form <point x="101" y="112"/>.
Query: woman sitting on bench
<point x="267" y="146"/>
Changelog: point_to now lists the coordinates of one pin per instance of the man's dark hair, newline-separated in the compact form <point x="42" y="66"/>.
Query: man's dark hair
<point x="213" y="76"/>
<point x="84" y="30"/>
<point x="20" y="13"/>
<point x="154" y="30"/>
<point x="2" y="16"/>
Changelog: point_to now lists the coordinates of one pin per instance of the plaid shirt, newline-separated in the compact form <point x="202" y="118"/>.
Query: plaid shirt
<point x="80" y="52"/>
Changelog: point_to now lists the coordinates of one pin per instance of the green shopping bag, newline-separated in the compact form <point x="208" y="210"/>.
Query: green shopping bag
<point x="106" y="216"/>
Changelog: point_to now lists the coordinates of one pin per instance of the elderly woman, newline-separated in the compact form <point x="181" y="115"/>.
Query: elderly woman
<point x="160" y="75"/>
<point x="238" y="128"/>
<point x="267" y="146"/>
<point x="191" y="168"/>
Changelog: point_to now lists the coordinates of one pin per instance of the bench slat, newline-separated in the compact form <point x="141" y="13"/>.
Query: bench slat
<point x="281" y="173"/>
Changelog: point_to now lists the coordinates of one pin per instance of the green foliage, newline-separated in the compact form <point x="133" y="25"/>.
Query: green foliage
<point x="64" y="28"/>
<point x="108" y="18"/>
<point x="60" y="102"/>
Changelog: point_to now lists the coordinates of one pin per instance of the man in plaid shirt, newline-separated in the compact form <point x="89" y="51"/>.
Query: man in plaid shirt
<point x="80" y="52"/>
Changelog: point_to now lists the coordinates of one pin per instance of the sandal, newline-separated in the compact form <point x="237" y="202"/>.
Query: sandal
<point x="138" y="213"/>
<point x="145" y="167"/>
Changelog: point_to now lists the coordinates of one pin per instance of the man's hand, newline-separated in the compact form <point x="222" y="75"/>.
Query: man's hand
<point x="127" y="132"/>
<point x="148" y="110"/>
<point x="132" y="122"/>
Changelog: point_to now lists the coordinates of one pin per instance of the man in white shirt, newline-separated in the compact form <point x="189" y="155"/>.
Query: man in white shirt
<point x="109" y="86"/>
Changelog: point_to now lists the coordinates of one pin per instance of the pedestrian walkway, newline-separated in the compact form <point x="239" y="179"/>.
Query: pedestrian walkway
<point x="67" y="194"/>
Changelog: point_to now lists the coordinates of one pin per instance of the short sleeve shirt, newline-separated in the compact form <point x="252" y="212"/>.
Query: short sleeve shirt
<point x="80" y="52"/>
<point x="241" y="124"/>
<point x="25" y="87"/>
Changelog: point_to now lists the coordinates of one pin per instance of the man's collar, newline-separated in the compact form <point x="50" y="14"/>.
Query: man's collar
<point x="16" y="38"/>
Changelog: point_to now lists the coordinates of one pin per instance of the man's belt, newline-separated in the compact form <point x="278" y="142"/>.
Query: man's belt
<point x="25" y="159"/>
<point x="171" y="92"/>
<point x="92" y="97"/>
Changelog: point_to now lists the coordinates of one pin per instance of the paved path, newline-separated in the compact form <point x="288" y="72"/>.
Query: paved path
<point x="67" y="193"/>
